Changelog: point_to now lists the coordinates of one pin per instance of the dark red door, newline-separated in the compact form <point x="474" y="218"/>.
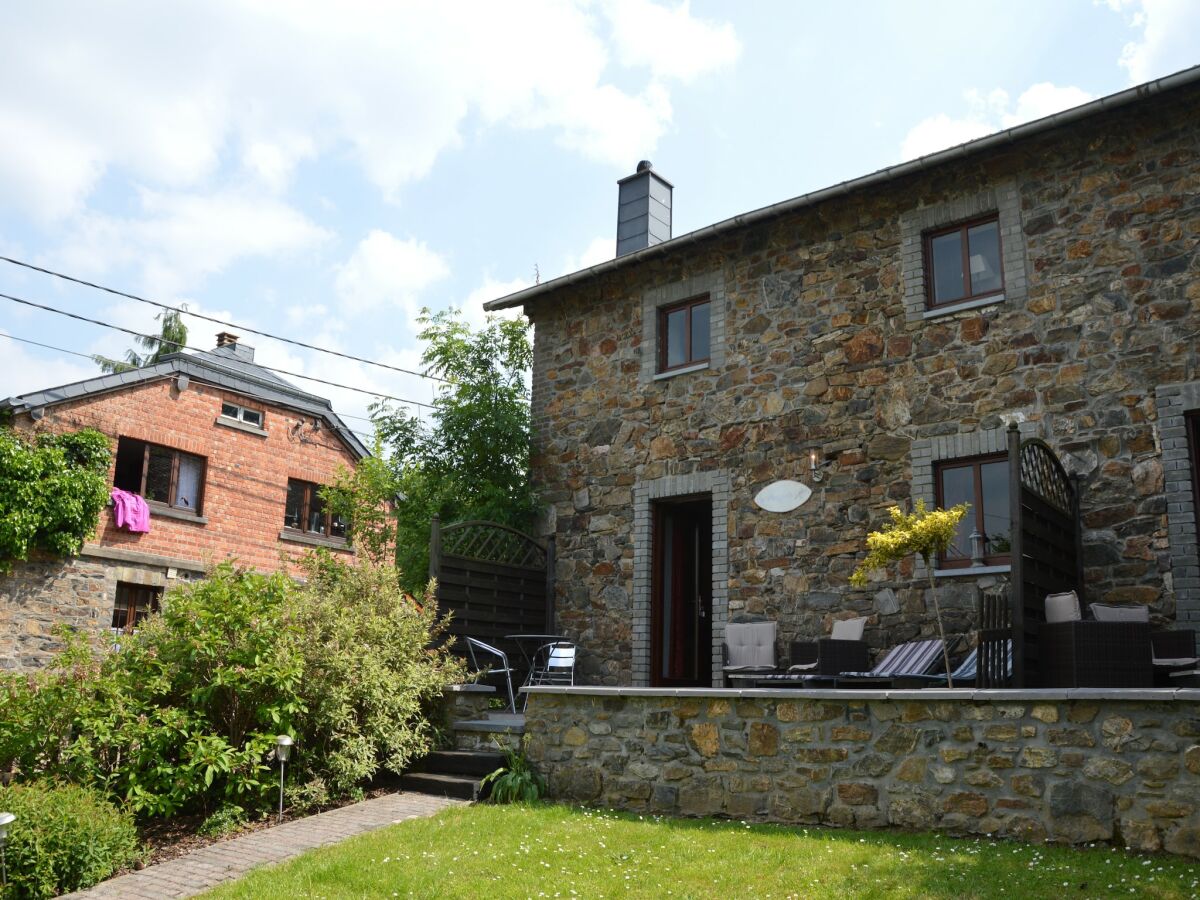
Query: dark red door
<point x="681" y="603"/>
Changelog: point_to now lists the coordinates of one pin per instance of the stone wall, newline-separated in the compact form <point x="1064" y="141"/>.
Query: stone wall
<point x="79" y="592"/>
<point x="1073" y="766"/>
<point x="821" y="349"/>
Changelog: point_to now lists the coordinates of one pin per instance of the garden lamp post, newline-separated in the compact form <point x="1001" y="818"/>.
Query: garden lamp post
<point x="6" y="819"/>
<point x="283" y="749"/>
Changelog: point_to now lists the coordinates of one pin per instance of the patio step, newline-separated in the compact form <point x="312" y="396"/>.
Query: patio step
<point x="464" y="787"/>
<point x="462" y="762"/>
<point x="496" y="723"/>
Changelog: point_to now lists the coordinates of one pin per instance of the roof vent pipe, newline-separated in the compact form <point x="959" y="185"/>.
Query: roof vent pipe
<point x="643" y="209"/>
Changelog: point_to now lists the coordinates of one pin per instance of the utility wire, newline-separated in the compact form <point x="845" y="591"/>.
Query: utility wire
<point x="208" y="355"/>
<point x="188" y="312"/>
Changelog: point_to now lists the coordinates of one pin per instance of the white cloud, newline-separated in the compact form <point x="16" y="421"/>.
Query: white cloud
<point x="492" y="289"/>
<point x="987" y="113"/>
<point x="599" y="250"/>
<point x="1168" y="37"/>
<point x="180" y="238"/>
<point x="172" y="98"/>
<point x="386" y="270"/>
<point x="670" y="41"/>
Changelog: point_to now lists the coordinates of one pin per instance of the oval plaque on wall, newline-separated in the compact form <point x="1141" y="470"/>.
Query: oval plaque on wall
<point x="782" y="496"/>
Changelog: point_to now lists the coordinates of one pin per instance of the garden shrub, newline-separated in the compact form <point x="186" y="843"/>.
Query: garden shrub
<point x="184" y="716"/>
<point x="226" y="820"/>
<point x="65" y="838"/>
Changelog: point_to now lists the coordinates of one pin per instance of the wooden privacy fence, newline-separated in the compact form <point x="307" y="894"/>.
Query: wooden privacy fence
<point x="494" y="579"/>
<point x="1047" y="551"/>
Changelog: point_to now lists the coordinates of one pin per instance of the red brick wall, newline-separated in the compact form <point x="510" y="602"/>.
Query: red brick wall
<point x="245" y="484"/>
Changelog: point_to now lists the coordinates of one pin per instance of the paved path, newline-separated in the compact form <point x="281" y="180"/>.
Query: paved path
<point x="224" y="861"/>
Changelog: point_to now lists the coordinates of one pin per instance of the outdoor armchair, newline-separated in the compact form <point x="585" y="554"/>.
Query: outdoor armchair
<point x="844" y="650"/>
<point x="749" y="648"/>
<point x="1170" y="651"/>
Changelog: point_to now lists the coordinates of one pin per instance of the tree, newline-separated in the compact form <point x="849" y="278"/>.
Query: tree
<point x="927" y="533"/>
<point x="171" y="338"/>
<point x="471" y="460"/>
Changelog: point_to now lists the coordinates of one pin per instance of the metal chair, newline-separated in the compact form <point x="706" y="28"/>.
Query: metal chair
<point x="473" y="645"/>
<point x="553" y="663"/>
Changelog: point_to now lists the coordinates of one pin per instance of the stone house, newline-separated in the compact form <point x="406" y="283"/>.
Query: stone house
<point x="228" y="456"/>
<point x="872" y="340"/>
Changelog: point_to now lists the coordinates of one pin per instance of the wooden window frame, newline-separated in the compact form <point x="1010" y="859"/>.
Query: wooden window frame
<point x="174" y="480"/>
<point x="961" y="228"/>
<point x="663" y="313"/>
<point x="310" y="491"/>
<point x="1191" y="423"/>
<point x="131" y="620"/>
<point x="977" y="512"/>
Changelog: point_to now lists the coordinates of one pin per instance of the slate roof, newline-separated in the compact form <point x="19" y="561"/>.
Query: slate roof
<point x="225" y="367"/>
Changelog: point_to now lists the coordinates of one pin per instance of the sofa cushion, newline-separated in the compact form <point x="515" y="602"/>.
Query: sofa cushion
<point x="849" y="629"/>
<point x="1125" y="613"/>
<point x="1062" y="607"/>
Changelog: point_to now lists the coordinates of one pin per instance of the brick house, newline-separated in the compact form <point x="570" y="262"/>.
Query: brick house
<point x="228" y="457"/>
<point x="872" y="340"/>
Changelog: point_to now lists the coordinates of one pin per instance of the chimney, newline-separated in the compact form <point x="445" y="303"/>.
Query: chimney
<point x="229" y="342"/>
<point x="643" y="209"/>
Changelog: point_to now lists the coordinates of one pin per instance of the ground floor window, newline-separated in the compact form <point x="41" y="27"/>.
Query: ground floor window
<point x="983" y="483"/>
<point x="134" y="602"/>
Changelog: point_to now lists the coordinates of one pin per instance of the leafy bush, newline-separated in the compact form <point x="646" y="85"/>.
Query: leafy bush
<point x="51" y="492"/>
<point x="65" y="838"/>
<point x="226" y="820"/>
<point x="184" y="717"/>
<point x="516" y="781"/>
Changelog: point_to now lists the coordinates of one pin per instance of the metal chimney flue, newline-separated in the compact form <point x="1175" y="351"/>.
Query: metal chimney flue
<point x="643" y="209"/>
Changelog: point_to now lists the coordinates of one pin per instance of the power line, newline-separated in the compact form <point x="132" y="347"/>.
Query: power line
<point x="207" y="353"/>
<point x="188" y="312"/>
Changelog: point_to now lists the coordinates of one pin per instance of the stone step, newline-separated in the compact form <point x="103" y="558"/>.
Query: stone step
<point x="462" y="762"/>
<point x="464" y="787"/>
<point x="497" y="723"/>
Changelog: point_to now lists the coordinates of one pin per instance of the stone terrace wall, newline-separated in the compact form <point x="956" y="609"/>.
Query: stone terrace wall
<point x="819" y="350"/>
<point x="1028" y="765"/>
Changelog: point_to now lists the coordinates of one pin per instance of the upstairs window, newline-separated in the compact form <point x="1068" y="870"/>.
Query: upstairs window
<point x="160" y="474"/>
<point x="134" y="602"/>
<point x="683" y="334"/>
<point x="242" y="414"/>
<point x="963" y="262"/>
<point x="305" y="511"/>
<point x="982" y="482"/>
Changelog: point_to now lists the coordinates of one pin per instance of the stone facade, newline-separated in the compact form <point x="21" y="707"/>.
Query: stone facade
<point x="1069" y="766"/>
<point x="242" y="516"/>
<point x="821" y="348"/>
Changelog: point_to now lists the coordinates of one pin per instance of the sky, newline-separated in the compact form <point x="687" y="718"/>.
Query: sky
<point x="323" y="171"/>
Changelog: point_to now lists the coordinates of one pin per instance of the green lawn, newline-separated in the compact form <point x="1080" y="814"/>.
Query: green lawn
<point x="554" y="851"/>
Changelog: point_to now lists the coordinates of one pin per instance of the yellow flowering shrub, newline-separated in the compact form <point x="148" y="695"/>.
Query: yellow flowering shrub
<point x="925" y="532"/>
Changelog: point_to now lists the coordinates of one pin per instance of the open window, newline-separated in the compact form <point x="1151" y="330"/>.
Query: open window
<point x="306" y="512"/>
<point x="160" y="474"/>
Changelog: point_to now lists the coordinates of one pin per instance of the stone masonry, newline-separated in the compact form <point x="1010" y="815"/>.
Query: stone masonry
<point x="821" y="348"/>
<point x="1071" y="766"/>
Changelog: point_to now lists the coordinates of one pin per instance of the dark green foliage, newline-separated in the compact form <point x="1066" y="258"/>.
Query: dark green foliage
<point x="65" y="838"/>
<point x="472" y="460"/>
<point x="171" y="338"/>
<point x="517" y="781"/>
<point x="226" y="820"/>
<point x="51" y="492"/>
<point x="184" y="716"/>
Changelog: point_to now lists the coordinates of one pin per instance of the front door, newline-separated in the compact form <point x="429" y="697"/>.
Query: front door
<point x="681" y="604"/>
